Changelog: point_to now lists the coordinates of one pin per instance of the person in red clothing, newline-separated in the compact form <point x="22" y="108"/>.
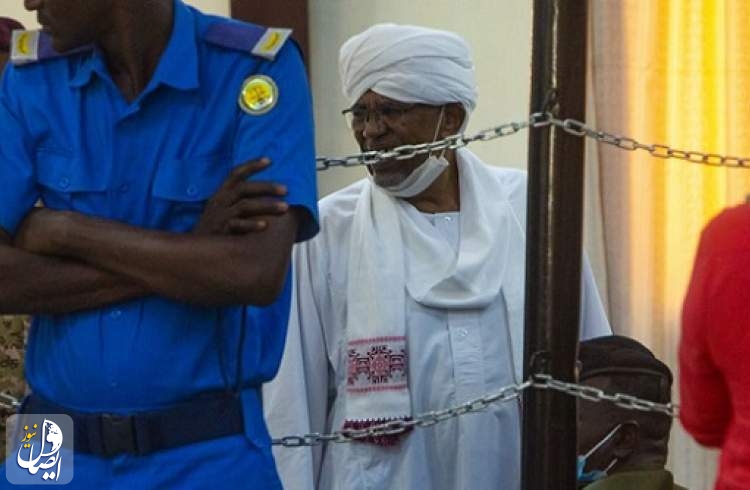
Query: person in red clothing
<point x="715" y="346"/>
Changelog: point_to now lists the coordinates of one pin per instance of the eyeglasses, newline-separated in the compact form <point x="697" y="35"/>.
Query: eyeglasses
<point x="357" y="115"/>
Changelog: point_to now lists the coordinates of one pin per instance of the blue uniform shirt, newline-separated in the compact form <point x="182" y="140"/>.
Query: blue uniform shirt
<point x="71" y="139"/>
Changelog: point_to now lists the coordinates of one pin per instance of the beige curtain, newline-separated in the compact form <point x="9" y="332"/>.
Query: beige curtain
<point x="675" y="72"/>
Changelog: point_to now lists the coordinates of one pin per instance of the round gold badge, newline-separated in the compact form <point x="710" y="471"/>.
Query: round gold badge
<point x="259" y="95"/>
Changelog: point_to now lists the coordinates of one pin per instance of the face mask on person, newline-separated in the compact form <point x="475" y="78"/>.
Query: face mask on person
<point x="581" y="460"/>
<point x="423" y="176"/>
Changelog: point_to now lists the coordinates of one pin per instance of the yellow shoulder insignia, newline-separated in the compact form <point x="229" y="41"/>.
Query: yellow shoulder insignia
<point x="271" y="42"/>
<point x="32" y="46"/>
<point x="24" y="47"/>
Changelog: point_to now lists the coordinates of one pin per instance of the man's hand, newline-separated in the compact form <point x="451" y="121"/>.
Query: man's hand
<point x="39" y="229"/>
<point x="238" y="207"/>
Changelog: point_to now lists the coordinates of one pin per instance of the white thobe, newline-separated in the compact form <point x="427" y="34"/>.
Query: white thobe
<point x="454" y="356"/>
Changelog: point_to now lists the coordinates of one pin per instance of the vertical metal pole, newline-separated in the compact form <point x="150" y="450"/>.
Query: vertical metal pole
<point x="553" y="249"/>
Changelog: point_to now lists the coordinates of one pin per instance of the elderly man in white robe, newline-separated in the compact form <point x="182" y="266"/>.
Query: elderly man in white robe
<point x="411" y="297"/>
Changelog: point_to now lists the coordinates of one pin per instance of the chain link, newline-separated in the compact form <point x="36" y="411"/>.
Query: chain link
<point x="628" y="402"/>
<point x="578" y="128"/>
<point x="406" y="152"/>
<point x="536" y="120"/>
<point x="427" y="419"/>
<point x="9" y="402"/>
<point x="510" y="392"/>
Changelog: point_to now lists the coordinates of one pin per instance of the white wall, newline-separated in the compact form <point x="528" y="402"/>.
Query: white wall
<point x="15" y="10"/>
<point x="498" y="31"/>
<point x="218" y="7"/>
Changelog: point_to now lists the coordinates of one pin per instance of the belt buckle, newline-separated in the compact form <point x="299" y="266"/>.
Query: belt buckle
<point x="118" y="434"/>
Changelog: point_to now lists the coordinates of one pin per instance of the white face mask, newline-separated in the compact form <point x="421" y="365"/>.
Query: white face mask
<point x="423" y="176"/>
<point x="420" y="179"/>
<point x="581" y="460"/>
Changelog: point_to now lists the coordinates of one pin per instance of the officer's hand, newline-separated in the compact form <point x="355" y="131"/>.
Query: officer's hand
<point x="241" y="207"/>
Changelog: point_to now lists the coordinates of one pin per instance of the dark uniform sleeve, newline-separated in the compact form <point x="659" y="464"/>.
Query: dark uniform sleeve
<point x="18" y="191"/>
<point x="285" y="135"/>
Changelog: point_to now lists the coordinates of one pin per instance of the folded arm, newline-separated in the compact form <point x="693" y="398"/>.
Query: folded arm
<point x="37" y="279"/>
<point x="32" y="284"/>
<point x="203" y="269"/>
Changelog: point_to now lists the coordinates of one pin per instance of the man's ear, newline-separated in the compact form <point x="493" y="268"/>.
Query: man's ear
<point x="454" y="117"/>
<point x="626" y="441"/>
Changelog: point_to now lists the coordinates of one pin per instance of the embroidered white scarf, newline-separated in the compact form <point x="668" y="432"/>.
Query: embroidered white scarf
<point x="395" y="251"/>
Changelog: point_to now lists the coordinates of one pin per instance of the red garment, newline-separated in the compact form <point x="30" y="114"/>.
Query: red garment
<point x="715" y="346"/>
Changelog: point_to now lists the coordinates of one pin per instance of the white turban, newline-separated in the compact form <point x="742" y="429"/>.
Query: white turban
<point x="410" y="64"/>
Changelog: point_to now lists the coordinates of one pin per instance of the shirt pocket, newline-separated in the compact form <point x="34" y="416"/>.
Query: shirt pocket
<point x="184" y="185"/>
<point x="64" y="178"/>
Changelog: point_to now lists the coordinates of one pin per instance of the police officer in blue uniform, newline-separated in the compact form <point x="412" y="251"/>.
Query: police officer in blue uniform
<point x="160" y="295"/>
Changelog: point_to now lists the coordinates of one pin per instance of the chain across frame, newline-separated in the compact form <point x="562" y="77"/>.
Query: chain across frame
<point x="427" y="419"/>
<point x="505" y="394"/>
<point x="8" y="401"/>
<point x="538" y="381"/>
<point x="536" y="120"/>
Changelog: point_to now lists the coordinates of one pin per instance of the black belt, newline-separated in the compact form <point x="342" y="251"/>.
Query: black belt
<point x="206" y="417"/>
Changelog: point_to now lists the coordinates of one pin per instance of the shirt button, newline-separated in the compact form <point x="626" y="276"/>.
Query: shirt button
<point x="462" y="332"/>
<point x="124" y="188"/>
<point x="191" y="190"/>
<point x="115" y="314"/>
<point x="64" y="183"/>
<point x="448" y="218"/>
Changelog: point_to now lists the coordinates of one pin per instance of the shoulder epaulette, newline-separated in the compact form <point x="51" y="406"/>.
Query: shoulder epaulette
<point x="265" y="42"/>
<point x="32" y="46"/>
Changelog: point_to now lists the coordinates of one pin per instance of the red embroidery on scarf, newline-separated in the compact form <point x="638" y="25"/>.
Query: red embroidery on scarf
<point x="377" y="364"/>
<point x="375" y="340"/>
<point x="374" y="389"/>
<point x="387" y="440"/>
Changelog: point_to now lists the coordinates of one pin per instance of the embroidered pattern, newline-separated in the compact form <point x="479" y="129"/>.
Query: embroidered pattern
<point x="377" y="364"/>
<point x="386" y="440"/>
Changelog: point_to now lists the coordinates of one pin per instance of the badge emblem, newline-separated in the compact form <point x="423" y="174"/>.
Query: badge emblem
<point x="25" y="46"/>
<point x="271" y="42"/>
<point x="259" y="95"/>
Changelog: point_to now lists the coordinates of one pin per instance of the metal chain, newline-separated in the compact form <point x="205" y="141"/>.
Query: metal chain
<point x="540" y="381"/>
<point x="8" y="402"/>
<point x="406" y="152"/>
<point x="427" y="419"/>
<point x="393" y="427"/>
<point x="579" y="128"/>
<point x="628" y="402"/>
<point x="510" y="392"/>
<point x="536" y="120"/>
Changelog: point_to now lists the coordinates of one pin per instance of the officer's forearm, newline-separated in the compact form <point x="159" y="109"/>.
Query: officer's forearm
<point x="34" y="284"/>
<point x="209" y="270"/>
